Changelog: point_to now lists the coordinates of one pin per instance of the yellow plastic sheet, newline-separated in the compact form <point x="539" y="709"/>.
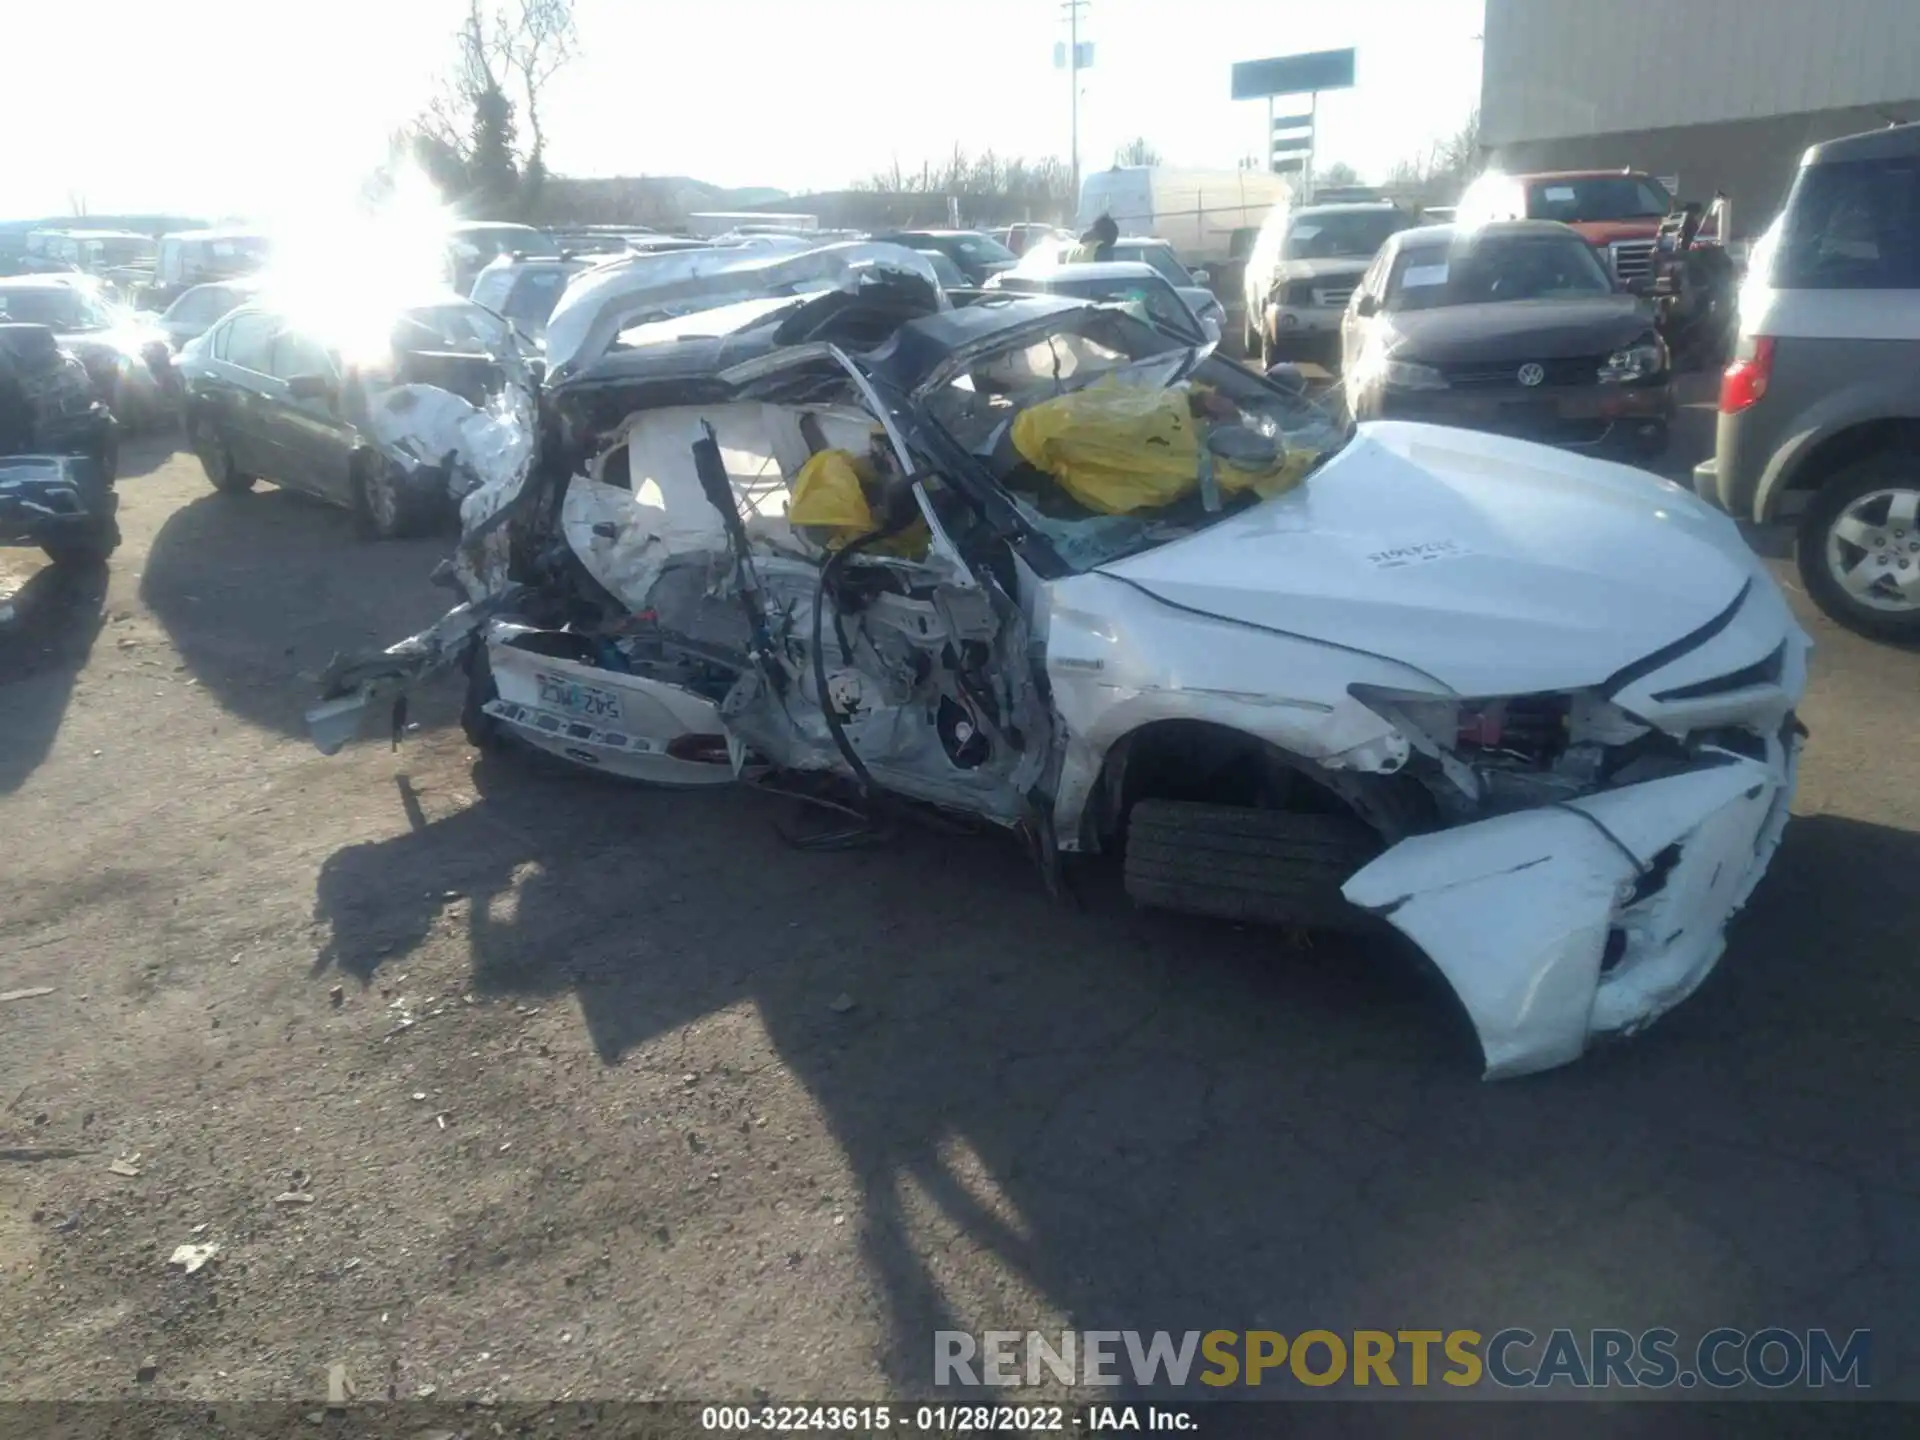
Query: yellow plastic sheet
<point x="1117" y="449"/>
<point x="1114" y="448"/>
<point x="829" y="494"/>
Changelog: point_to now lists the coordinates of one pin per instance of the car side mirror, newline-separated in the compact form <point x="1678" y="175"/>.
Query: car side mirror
<point x="1203" y="277"/>
<point x="1366" y="305"/>
<point x="310" y="387"/>
<point x="1288" y="377"/>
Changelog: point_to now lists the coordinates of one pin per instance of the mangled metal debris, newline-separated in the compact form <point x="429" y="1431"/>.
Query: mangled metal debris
<point x="1037" y="564"/>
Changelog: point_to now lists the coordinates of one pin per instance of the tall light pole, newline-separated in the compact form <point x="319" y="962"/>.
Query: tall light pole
<point x="1073" y="9"/>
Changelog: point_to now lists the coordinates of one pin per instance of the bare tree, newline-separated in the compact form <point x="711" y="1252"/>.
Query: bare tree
<point x="1136" y="152"/>
<point x="991" y="190"/>
<point x="1438" y="174"/>
<point x="540" y="41"/>
<point x="467" y="139"/>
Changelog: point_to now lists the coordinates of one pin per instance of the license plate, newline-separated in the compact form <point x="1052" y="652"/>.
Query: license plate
<point x="589" y="701"/>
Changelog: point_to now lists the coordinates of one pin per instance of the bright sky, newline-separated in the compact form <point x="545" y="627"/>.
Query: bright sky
<point x="245" y="106"/>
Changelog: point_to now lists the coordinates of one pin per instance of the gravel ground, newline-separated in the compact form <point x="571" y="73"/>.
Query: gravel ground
<point x="490" y="1078"/>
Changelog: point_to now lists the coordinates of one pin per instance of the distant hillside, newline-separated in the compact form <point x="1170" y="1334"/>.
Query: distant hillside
<point x="661" y="201"/>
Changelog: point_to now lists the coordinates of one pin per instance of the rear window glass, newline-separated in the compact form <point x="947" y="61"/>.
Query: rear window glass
<point x="1343" y="234"/>
<point x="984" y="248"/>
<point x="1160" y="257"/>
<point x="534" y="298"/>
<point x="1854" y="225"/>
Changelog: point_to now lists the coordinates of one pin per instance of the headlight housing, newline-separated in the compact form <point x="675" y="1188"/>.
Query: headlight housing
<point x="1642" y="360"/>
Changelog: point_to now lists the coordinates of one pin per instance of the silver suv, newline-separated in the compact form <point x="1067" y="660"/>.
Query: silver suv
<point x="1304" y="267"/>
<point x="1820" y="407"/>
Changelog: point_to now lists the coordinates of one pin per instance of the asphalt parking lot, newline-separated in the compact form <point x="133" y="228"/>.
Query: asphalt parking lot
<point x="601" y="1091"/>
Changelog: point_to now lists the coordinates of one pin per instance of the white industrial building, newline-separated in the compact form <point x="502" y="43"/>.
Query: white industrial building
<point x="1720" y="94"/>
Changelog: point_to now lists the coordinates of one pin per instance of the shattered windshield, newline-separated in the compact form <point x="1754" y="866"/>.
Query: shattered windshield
<point x="1342" y="234"/>
<point x="1110" y="437"/>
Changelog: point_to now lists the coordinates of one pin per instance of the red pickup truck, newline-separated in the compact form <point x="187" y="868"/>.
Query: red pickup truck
<point x="1617" y="211"/>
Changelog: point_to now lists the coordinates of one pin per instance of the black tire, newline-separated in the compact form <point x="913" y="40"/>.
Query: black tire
<point x="106" y="449"/>
<point x="382" y="508"/>
<point x="217" y="461"/>
<point x="87" y="551"/>
<point x="1887" y="469"/>
<point x="482" y="730"/>
<point x="1268" y="867"/>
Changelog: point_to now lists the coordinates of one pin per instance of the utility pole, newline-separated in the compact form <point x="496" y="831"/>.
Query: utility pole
<point x="1073" y="9"/>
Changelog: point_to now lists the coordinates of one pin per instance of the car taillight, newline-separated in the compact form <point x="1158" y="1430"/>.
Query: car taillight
<point x="1745" y="380"/>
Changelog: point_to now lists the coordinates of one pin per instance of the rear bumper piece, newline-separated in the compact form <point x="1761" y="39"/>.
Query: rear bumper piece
<point x="635" y="721"/>
<point x="1559" y="925"/>
<point x="1706" y="480"/>
<point x="34" y="510"/>
<point x="1319" y="322"/>
<point x="357" y="686"/>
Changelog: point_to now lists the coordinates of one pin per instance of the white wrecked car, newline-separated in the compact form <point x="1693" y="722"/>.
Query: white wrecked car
<point x="1038" y="563"/>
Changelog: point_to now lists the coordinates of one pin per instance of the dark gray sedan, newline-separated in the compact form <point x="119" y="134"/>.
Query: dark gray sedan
<point x="270" y="398"/>
<point x="1515" y="328"/>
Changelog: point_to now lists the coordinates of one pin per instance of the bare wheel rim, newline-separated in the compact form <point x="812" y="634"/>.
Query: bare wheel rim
<point x="1873" y="550"/>
<point x="382" y="504"/>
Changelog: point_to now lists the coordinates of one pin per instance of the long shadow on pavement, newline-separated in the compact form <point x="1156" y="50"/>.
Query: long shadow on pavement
<point x="146" y="451"/>
<point x="1160" y="1124"/>
<point x="258" y="591"/>
<point x="47" y="629"/>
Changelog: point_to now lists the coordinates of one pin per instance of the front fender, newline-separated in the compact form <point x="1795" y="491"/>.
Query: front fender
<point x="1118" y="659"/>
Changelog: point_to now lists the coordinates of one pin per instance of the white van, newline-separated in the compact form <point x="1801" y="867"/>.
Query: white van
<point x="1198" y="211"/>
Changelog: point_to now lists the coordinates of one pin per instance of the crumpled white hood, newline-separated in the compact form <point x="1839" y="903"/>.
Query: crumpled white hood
<point x="618" y="295"/>
<point x="1495" y="566"/>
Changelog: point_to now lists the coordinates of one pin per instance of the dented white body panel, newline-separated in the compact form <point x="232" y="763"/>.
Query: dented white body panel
<point x="638" y="289"/>
<point x="1119" y="659"/>
<point x="1495" y="566"/>
<point x="599" y="718"/>
<point x="1517" y="911"/>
